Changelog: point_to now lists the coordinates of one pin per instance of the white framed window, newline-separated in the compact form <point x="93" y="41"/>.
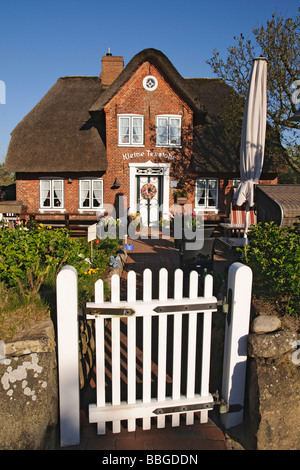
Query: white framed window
<point x="51" y="194"/>
<point x="168" y="131"/>
<point x="130" y="130"/>
<point x="90" y="193"/>
<point x="206" y="193"/>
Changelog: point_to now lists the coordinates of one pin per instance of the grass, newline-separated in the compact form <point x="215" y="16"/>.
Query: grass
<point x="17" y="313"/>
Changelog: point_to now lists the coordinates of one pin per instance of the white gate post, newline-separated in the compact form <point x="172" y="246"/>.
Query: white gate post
<point x="68" y="355"/>
<point x="236" y="340"/>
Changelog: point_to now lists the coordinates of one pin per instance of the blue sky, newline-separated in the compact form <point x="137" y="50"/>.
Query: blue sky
<point x="41" y="41"/>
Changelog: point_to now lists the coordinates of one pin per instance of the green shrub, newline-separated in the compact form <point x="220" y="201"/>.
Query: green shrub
<point x="31" y="257"/>
<point x="273" y="253"/>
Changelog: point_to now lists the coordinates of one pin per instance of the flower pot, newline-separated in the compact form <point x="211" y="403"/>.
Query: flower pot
<point x="181" y="199"/>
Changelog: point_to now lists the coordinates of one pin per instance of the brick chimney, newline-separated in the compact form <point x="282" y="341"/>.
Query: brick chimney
<point x="112" y="66"/>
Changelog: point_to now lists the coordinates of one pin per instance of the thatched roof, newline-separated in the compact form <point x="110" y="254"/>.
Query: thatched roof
<point x="58" y="134"/>
<point x="165" y="67"/>
<point x="11" y="207"/>
<point x="65" y="131"/>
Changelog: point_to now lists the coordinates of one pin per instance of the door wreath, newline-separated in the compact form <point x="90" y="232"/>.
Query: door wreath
<point x="148" y="191"/>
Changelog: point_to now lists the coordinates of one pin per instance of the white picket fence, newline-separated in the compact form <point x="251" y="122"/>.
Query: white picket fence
<point x="126" y="332"/>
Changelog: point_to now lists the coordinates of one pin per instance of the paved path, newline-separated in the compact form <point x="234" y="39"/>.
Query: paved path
<point x="154" y="254"/>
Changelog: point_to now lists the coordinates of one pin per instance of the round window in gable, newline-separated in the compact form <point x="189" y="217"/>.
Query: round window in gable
<point x="150" y="83"/>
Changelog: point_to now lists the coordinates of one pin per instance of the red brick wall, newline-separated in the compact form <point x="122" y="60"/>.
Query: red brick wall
<point x="134" y="99"/>
<point x="28" y="189"/>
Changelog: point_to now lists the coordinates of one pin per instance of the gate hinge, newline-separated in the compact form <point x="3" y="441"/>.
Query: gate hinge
<point x="224" y="304"/>
<point x="224" y="407"/>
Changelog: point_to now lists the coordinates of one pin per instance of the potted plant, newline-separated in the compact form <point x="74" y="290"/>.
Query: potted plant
<point x="180" y="196"/>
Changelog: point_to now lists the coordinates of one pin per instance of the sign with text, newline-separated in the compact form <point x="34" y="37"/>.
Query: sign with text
<point x="148" y="153"/>
<point x="92" y="232"/>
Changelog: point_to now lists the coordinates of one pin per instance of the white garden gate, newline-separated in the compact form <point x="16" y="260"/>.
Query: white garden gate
<point x="159" y="352"/>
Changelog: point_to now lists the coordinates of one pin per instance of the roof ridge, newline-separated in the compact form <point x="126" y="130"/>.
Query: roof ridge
<point x="78" y="76"/>
<point x="160" y="59"/>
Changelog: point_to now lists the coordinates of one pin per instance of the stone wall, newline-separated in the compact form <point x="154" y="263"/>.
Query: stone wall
<point x="273" y="385"/>
<point x="28" y="390"/>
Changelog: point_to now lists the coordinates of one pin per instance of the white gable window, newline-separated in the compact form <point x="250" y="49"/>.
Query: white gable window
<point x="91" y="193"/>
<point x="168" y="131"/>
<point x="130" y="130"/>
<point x="51" y="194"/>
<point x="206" y="193"/>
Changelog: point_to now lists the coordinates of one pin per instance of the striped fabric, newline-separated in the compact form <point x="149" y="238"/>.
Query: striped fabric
<point x="238" y="216"/>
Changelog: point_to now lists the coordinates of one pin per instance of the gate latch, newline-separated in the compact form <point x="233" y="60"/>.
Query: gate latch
<point x="115" y="312"/>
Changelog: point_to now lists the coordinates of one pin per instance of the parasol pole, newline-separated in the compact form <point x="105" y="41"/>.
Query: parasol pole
<point x="246" y="226"/>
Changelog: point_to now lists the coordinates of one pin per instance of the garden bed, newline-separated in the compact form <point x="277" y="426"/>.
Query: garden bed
<point x="30" y="259"/>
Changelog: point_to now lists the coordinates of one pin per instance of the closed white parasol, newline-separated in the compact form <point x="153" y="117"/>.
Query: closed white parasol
<point x="253" y="136"/>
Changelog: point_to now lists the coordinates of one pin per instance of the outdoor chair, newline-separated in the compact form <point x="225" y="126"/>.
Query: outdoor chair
<point x="199" y="259"/>
<point x="235" y="225"/>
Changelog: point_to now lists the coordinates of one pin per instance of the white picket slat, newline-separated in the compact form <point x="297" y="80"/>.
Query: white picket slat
<point x="162" y="344"/>
<point x="192" y="338"/>
<point x="147" y="345"/>
<point x="206" y="345"/>
<point x="131" y="348"/>
<point x="177" y="344"/>
<point x="100" y="354"/>
<point x="115" y="346"/>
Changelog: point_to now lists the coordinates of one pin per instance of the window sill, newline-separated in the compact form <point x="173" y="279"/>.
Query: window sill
<point x="43" y="209"/>
<point x="98" y="209"/>
<point x="132" y="145"/>
<point x="169" y="146"/>
<point x="213" y="210"/>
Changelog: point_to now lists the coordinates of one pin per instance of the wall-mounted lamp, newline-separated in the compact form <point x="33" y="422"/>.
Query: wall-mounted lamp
<point x="181" y="183"/>
<point x="116" y="184"/>
<point x="70" y="181"/>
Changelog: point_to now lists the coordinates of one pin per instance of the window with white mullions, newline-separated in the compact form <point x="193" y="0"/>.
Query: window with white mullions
<point x="51" y="194"/>
<point x="206" y="193"/>
<point x="168" y="131"/>
<point x="130" y="130"/>
<point x="91" y="194"/>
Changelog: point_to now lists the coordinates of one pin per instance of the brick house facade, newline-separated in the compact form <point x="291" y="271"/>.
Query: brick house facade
<point x="91" y="140"/>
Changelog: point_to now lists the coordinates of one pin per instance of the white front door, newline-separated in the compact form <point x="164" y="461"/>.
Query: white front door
<point x="149" y="199"/>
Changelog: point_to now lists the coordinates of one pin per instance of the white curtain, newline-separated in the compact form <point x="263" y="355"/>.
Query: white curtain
<point x="84" y="193"/>
<point x="57" y="193"/>
<point x="175" y="132"/>
<point x="137" y="130"/>
<point x="124" y="130"/>
<point x="162" y="131"/>
<point x="45" y="193"/>
<point x="97" y="193"/>
<point x="200" y="192"/>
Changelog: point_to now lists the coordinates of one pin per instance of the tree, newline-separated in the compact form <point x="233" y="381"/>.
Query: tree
<point x="279" y="42"/>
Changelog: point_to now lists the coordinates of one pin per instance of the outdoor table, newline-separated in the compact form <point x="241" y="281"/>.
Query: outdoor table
<point x="234" y="242"/>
